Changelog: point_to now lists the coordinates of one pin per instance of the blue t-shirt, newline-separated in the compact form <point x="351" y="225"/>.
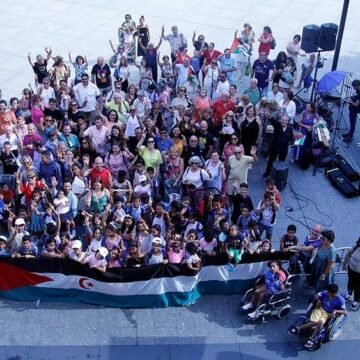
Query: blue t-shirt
<point x="163" y="144"/>
<point x="329" y="305"/>
<point x="226" y="64"/>
<point x="262" y="72"/>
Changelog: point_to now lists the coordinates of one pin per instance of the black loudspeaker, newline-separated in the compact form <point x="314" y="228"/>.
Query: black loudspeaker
<point x="327" y="40"/>
<point x="310" y="38"/>
<point x="342" y="183"/>
<point x="279" y="173"/>
<point x="346" y="168"/>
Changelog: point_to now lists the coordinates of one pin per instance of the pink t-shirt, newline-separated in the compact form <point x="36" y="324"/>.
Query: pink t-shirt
<point x="93" y="261"/>
<point x="175" y="258"/>
<point x="36" y="115"/>
<point x="207" y="246"/>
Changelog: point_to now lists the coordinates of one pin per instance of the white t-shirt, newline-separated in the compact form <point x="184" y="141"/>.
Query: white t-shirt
<point x="91" y="91"/>
<point x="194" y="178"/>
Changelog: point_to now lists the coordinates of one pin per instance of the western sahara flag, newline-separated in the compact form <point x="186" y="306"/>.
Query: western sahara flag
<point x="151" y="286"/>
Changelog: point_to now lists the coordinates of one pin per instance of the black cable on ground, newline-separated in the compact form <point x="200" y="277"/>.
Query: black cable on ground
<point x="306" y="202"/>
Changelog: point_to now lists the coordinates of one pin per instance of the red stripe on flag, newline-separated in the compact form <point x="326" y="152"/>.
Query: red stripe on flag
<point x="12" y="277"/>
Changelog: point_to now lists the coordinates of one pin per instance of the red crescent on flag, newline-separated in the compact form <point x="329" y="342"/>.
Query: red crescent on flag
<point x="85" y="283"/>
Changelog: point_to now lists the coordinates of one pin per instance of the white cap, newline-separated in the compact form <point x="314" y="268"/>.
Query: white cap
<point x="103" y="252"/>
<point x="77" y="244"/>
<point x="3" y="238"/>
<point x="19" y="221"/>
<point x="156" y="240"/>
<point x="142" y="178"/>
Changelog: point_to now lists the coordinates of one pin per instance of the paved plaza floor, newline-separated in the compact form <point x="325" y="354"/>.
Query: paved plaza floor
<point x="213" y="328"/>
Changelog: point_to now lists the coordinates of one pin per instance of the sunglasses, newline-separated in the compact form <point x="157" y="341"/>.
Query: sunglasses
<point x="132" y="110"/>
<point x="194" y="163"/>
<point x="237" y="153"/>
<point x="118" y="88"/>
<point x="182" y="90"/>
<point x="150" y="142"/>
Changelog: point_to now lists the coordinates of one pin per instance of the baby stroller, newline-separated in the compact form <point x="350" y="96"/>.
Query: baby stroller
<point x="330" y="331"/>
<point x="276" y="305"/>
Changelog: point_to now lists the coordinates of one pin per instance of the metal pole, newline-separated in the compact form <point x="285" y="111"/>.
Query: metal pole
<point x="340" y="34"/>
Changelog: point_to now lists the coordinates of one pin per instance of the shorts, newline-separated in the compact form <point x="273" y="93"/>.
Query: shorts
<point x="319" y="315"/>
<point x="236" y="254"/>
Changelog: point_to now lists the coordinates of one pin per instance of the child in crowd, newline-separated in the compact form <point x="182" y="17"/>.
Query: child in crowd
<point x="192" y="260"/>
<point x="98" y="260"/>
<point x="208" y="243"/>
<point x="287" y="240"/>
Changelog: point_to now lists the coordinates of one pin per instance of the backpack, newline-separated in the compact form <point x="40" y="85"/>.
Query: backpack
<point x="273" y="43"/>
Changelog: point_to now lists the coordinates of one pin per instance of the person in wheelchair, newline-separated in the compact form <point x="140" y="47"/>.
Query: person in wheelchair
<point x="327" y="305"/>
<point x="274" y="282"/>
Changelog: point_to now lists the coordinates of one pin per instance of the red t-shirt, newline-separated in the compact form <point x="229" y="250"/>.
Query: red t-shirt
<point x="210" y="56"/>
<point x="103" y="175"/>
<point x="26" y="190"/>
<point x="220" y="108"/>
<point x="265" y="47"/>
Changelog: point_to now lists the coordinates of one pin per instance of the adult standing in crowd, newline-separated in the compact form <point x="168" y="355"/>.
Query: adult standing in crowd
<point x="354" y="110"/>
<point x="262" y="71"/>
<point x="283" y="137"/>
<point x="352" y="264"/>
<point x="176" y="40"/>
<point x="86" y="94"/>
<point x="101" y="76"/>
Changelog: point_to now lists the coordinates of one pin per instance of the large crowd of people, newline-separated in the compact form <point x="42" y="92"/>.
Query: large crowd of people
<point x="119" y="173"/>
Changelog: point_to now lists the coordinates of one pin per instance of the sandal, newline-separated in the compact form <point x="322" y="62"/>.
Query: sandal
<point x="354" y="305"/>
<point x="309" y="343"/>
<point x="293" y="331"/>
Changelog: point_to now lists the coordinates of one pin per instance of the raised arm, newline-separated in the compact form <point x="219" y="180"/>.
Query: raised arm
<point x="48" y="53"/>
<point x="161" y="38"/>
<point x="29" y="59"/>
<point x="112" y="46"/>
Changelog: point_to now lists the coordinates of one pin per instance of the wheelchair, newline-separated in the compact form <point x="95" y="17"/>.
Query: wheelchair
<point x="276" y="305"/>
<point x="330" y="331"/>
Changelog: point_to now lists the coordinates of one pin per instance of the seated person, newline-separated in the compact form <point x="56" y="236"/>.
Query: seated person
<point x="328" y="304"/>
<point x="275" y="279"/>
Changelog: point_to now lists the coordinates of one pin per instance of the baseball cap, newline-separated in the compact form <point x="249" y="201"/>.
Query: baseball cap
<point x="103" y="252"/>
<point x="76" y="244"/>
<point x="142" y="178"/>
<point x="19" y="221"/>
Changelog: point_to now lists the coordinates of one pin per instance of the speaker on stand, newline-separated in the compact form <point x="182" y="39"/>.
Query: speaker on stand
<point x="279" y="173"/>
<point x="328" y="33"/>
<point x="310" y="38"/>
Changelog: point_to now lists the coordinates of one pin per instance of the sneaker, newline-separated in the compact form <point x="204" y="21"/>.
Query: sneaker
<point x="293" y="331"/>
<point x="247" y="306"/>
<point x="253" y="314"/>
<point x="231" y="268"/>
<point x="309" y="344"/>
<point x="347" y="297"/>
<point x="354" y="305"/>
